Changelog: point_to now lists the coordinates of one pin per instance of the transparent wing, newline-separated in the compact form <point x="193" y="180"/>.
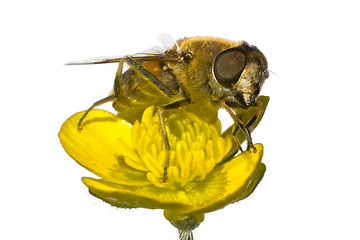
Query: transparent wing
<point x="168" y="41"/>
<point x="96" y="60"/>
<point x="165" y="56"/>
<point x="166" y="53"/>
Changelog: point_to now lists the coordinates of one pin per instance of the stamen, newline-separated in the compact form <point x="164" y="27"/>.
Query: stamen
<point x="195" y="148"/>
<point x="209" y="149"/>
<point x="153" y="165"/>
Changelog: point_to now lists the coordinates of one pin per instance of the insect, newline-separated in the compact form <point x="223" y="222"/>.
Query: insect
<point x="199" y="70"/>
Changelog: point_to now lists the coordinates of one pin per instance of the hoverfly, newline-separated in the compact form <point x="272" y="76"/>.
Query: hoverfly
<point x="199" y="70"/>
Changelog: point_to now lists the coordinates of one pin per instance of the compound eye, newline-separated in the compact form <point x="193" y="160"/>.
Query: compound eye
<point x="228" y="66"/>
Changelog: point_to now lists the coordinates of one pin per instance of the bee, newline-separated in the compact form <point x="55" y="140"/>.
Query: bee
<point x="196" y="70"/>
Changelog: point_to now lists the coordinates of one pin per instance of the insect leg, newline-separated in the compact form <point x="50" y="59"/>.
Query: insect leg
<point x="177" y="104"/>
<point x="139" y="69"/>
<point x="240" y="125"/>
<point x="234" y="134"/>
<point x="166" y="140"/>
<point x="100" y="102"/>
<point x="104" y="100"/>
<point x="249" y="124"/>
<point x="148" y="76"/>
<point x="257" y="114"/>
<point x="163" y="129"/>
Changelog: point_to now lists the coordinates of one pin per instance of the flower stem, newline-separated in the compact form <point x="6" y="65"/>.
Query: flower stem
<point x="186" y="235"/>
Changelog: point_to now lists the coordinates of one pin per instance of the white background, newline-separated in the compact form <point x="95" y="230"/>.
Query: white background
<point x="310" y="130"/>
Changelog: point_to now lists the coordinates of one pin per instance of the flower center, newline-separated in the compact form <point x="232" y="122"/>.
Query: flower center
<point x="195" y="148"/>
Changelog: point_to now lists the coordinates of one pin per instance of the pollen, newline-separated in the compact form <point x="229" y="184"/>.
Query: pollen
<point x="196" y="146"/>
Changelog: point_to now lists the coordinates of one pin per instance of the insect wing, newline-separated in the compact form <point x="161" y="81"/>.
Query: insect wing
<point x="168" y="42"/>
<point x="166" y="56"/>
<point x="97" y="60"/>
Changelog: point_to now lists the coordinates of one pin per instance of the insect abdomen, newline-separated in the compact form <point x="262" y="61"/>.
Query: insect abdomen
<point x="134" y="94"/>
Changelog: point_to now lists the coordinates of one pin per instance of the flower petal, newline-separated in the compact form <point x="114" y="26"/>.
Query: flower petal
<point x="227" y="183"/>
<point x="149" y="196"/>
<point x="101" y="146"/>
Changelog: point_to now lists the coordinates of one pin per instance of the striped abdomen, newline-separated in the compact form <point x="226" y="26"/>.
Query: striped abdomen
<point x="134" y="94"/>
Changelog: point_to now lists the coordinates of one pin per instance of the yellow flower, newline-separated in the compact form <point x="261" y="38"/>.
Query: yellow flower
<point x="203" y="175"/>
